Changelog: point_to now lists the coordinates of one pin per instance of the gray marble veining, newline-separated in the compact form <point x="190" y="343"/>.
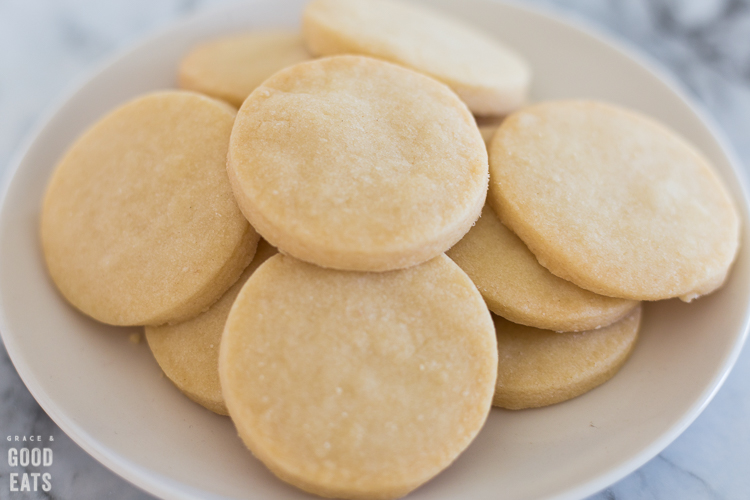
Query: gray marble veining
<point x="45" y="45"/>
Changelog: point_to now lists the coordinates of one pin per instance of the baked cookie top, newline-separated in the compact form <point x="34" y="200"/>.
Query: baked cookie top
<point x="516" y="287"/>
<point x="490" y="77"/>
<point x="231" y="67"/>
<point x="139" y="225"/>
<point x="358" y="385"/>
<point x="613" y="201"/>
<point x="353" y="163"/>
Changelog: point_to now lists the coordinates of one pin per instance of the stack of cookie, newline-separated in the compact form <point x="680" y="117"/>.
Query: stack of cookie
<point x="355" y="358"/>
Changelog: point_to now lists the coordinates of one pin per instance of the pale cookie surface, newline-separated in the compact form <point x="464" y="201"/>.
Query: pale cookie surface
<point x="139" y="225"/>
<point x="188" y="352"/>
<point x="353" y="163"/>
<point x="541" y="367"/>
<point x="516" y="287"/>
<point x="358" y="385"/>
<point x="490" y="77"/>
<point x="613" y="201"/>
<point x="230" y="68"/>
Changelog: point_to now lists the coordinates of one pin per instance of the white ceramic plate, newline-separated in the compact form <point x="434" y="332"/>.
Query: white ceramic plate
<point x="108" y="395"/>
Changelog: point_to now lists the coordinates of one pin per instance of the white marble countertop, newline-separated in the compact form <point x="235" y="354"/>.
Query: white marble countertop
<point x="46" y="45"/>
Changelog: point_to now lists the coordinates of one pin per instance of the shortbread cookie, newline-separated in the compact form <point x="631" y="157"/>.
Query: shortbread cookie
<point x="541" y="367"/>
<point x="358" y="385"/>
<point x="490" y="77"/>
<point x="613" y="201"/>
<point x="230" y="68"/>
<point x="139" y="225"/>
<point x="516" y="287"/>
<point x="188" y="352"/>
<point x="353" y="163"/>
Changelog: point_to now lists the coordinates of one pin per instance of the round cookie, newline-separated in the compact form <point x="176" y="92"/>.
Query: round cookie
<point x="490" y="77"/>
<point x="231" y="67"/>
<point x="541" y="367"/>
<point x="613" y="201"/>
<point x="188" y="352"/>
<point x="139" y="225"/>
<point x="358" y="385"/>
<point x="353" y="163"/>
<point x="516" y="287"/>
